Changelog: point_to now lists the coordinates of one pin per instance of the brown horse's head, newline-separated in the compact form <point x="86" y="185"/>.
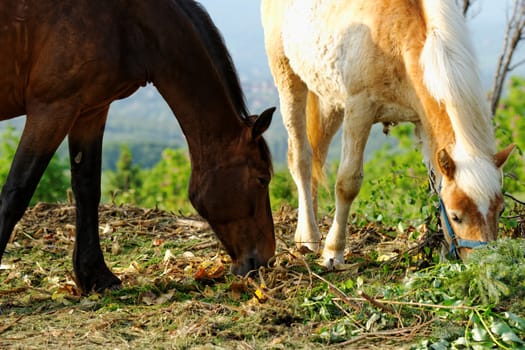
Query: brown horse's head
<point x="233" y="196"/>
<point x="471" y="200"/>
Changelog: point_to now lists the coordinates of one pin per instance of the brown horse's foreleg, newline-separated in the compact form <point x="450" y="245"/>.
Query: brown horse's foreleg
<point x="39" y="141"/>
<point x="85" y="150"/>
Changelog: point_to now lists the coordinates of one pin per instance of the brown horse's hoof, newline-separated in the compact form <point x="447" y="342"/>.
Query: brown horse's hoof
<point x="111" y="284"/>
<point x="98" y="281"/>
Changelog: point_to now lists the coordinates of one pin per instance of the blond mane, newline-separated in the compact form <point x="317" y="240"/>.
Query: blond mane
<point x="452" y="77"/>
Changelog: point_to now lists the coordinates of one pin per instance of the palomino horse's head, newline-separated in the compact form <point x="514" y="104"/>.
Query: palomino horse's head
<point x="471" y="200"/>
<point x="234" y="198"/>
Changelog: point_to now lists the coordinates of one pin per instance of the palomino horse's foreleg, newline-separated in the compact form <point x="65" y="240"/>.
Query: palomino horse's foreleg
<point x="356" y="129"/>
<point x="293" y="103"/>
<point x="323" y="121"/>
<point x="39" y="141"/>
<point x="293" y="97"/>
<point x="85" y="150"/>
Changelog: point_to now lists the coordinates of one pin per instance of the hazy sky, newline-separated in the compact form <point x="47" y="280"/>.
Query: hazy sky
<point x="239" y="21"/>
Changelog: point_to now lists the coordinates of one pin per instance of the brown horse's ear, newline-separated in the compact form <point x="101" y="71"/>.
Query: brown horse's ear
<point x="501" y="157"/>
<point x="262" y="123"/>
<point x="446" y="163"/>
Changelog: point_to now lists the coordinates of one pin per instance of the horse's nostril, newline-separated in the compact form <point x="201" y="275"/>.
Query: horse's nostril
<point x="252" y="263"/>
<point x="249" y="264"/>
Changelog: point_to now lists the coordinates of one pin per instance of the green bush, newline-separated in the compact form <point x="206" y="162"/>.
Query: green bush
<point x="282" y="190"/>
<point x="164" y="186"/>
<point x="510" y="128"/>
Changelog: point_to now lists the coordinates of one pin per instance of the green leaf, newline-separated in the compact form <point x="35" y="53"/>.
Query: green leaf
<point x="515" y="320"/>
<point x="505" y="332"/>
<point x="461" y="341"/>
<point x="483" y="346"/>
<point x="499" y="328"/>
<point x="479" y="333"/>
<point x="511" y="337"/>
<point x="440" y="345"/>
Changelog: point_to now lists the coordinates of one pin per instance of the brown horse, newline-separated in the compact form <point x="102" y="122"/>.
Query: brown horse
<point x="360" y="62"/>
<point x="63" y="63"/>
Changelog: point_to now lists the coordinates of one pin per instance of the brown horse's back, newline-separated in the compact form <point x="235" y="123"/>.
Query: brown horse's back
<point x="74" y="50"/>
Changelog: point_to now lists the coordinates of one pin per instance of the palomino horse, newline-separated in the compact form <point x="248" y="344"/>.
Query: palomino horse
<point x="360" y="62"/>
<point x="64" y="62"/>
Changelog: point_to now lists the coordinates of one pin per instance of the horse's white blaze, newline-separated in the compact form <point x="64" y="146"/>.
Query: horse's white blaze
<point x="477" y="176"/>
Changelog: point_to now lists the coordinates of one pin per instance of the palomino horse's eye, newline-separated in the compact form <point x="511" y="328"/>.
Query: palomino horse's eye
<point x="456" y="219"/>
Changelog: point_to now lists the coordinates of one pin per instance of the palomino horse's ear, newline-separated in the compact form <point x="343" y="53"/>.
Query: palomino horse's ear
<point x="446" y="163"/>
<point x="262" y="123"/>
<point x="501" y="157"/>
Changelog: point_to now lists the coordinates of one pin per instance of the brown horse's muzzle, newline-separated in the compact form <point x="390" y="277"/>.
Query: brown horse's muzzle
<point x="250" y="262"/>
<point x="248" y="247"/>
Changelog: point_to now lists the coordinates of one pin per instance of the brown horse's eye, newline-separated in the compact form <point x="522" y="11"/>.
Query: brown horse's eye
<point x="264" y="181"/>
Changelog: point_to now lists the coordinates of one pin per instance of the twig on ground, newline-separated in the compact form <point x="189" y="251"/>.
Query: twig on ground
<point x="339" y="293"/>
<point x="422" y="305"/>
<point x="14" y="291"/>
<point x="9" y="325"/>
<point x="402" y="332"/>
<point x="377" y="303"/>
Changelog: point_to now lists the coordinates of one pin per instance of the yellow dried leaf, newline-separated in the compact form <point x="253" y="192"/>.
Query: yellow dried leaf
<point x="58" y="297"/>
<point x="259" y="294"/>
<point x="210" y="270"/>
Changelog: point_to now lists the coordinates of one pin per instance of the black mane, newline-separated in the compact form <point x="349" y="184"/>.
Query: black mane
<point x="218" y="52"/>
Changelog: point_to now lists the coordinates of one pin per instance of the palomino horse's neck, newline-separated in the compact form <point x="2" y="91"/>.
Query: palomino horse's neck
<point x="443" y="70"/>
<point x="451" y="76"/>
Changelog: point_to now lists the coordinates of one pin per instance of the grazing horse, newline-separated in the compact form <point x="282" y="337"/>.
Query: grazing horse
<point x="360" y="62"/>
<point x="64" y="62"/>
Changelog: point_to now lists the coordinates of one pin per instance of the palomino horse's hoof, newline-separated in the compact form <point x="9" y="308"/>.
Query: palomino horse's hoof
<point x="332" y="263"/>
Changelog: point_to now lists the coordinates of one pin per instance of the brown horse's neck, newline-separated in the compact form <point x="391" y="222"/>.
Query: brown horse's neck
<point x="207" y="118"/>
<point x="186" y="76"/>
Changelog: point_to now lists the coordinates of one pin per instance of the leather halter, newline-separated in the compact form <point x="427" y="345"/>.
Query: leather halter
<point x="455" y="242"/>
